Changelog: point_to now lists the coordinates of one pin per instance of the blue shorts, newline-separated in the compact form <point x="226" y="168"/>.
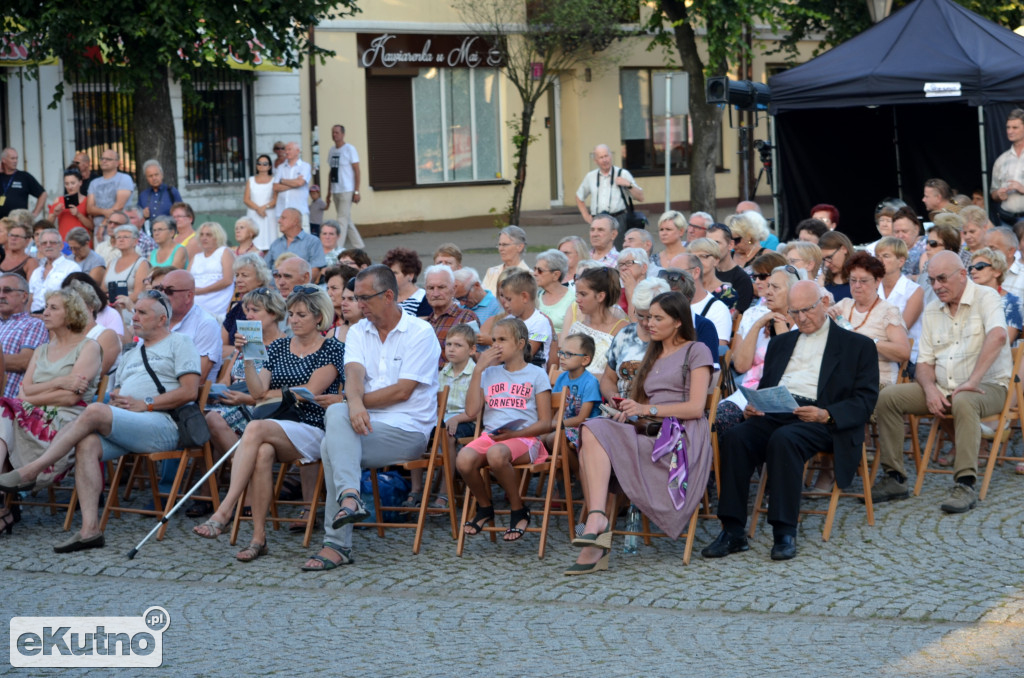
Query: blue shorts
<point x="139" y="432"/>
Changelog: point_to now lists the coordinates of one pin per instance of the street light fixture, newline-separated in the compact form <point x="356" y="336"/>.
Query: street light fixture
<point x="879" y="9"/>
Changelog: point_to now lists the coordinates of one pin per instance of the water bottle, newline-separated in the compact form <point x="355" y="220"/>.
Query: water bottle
<point x="632" y="542"/>
<point x="843" y="322"/>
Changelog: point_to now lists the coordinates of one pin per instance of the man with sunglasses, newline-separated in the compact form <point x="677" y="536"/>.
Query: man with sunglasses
<point x="137" y="419"/>
<point x="188" y="318"/>
<point x="20" y="333"/>
<point x="832" y="374"/>
<point x="963" y="370"/>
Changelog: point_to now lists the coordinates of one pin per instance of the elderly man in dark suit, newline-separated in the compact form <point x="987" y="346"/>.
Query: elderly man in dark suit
<point x="833" y="375"/>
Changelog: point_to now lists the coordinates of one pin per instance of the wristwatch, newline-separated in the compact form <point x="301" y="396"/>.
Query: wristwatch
<point x="149" y="403"/>
<point x="653" y="410"/>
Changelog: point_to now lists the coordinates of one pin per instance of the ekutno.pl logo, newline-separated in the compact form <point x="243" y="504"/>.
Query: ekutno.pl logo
<point x="73" y="642"/>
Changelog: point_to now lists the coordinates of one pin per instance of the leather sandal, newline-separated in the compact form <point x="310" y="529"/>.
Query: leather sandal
<point x="213" y="529"/>
<point x="346" y="515"/>
<point x="484" y="515"/>
<point x="514" y="518"/>
<point x="325" y="562"/>
<point x="602" y="540"/>
<point x="252" y="552"/>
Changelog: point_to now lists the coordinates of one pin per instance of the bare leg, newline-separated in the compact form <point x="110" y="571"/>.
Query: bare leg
<point x="307" y="476"/>
<point x="96" y="418"/>
<point x="241" y="469"/>
<point x="273" y="445"/>
<point x="469" y="462"/>
<point x="222" y="436"/>
<point x="89" y="482"/>
<point x="499" y="458"/>
<point x="595" y="474"/>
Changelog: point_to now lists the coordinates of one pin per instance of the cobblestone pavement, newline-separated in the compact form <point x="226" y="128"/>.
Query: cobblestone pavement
<point x="919" y="594"/>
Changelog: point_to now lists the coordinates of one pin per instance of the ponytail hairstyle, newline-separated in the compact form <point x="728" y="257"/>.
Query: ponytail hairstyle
<point x="517" y="328"/>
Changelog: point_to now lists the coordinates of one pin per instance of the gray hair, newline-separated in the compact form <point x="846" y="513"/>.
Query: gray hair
<point x="556" y="260"/>
<point x="443" y="269"/>
<point x="126" y="228"/>
<point x="257" y="263"/>
<point x="382" y="277"/>
<point x="77" y="235"/>
<point x="587" y="264"/>
<point x="582" y="251"/>
<point x="88" y="295"/>
<point x="708" y="219"/>
<point x="639" y="255"/>
<point x="791" y="278"/>
<point x="250" y="224"/>
<point x="166" y="220"/>
<point x="129" y="210"/>
<point x="685" y="284"/>
<point x="644" y="234"/>
<point x="268" y="299"/>
<point x="1009" y="237"/>
<point x="517" y="234"/>
<point x="646" y="290"/>
<point x="467" y="275"/>
<point x="20" y="282"/>
<point x="695" y="262"/>
<point x="749" y="224"/>
<point x="333" y="223"/>
<point x="152" y="163"/>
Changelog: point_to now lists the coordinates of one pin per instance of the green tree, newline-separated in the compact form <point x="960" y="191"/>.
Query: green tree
<point x="142" y="44"/>
<point x="676" y="23"/>
<point x="540" y="40"/>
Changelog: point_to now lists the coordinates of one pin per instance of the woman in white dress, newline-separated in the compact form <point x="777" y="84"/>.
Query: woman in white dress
<point x="260" y="199"/>
<point x="211" y="267"/>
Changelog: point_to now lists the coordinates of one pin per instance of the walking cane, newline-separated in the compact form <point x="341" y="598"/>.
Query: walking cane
<point x="181" y="501"/>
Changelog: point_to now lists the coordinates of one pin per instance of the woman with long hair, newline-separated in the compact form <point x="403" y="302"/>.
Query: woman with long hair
<point x="672" y="381"/>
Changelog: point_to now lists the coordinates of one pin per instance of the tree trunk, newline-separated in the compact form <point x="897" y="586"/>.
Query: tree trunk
<point x="153" y="121"/>
<point x="522" y="146"/>
<point x="706" y="120"/>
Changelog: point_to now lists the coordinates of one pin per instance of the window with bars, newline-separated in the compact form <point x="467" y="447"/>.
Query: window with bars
<point x="218" y="129"/>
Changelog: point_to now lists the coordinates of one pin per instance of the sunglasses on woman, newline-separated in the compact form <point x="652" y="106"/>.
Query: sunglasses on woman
<point x="980" y="266"/>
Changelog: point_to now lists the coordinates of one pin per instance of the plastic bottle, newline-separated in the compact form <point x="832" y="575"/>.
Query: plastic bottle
<point x="632" y="542"/>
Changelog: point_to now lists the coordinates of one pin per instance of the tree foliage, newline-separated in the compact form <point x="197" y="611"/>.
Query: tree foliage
<point x="139" y="44"/>
<point x="542" y="39"/>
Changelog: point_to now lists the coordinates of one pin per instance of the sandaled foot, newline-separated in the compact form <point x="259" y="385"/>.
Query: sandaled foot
<point x="354" y="512"/>
<point x="413" y="500"/>
<point x="586" y="567"/>
<point x="517" y="518"/>
<point x="601" y="538"/>
<point x="252" y="552"/>
<point x="440" y="503"/>
<point x="211" y="529"/>
<point x="7" y="522"/>
<point x="484" y="515"/>
<point x="325" y="558"/>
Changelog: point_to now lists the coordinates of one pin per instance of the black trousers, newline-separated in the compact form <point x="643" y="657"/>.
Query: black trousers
<point x="783" y="442"/>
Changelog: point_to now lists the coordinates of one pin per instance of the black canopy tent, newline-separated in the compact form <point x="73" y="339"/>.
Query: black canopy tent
<point x="922" y="94"/>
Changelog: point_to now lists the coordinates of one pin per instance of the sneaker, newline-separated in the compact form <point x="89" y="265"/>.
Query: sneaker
<point x="988" y="433"/>
<point x="962" y="499"/>
<point x="888" y="488"/>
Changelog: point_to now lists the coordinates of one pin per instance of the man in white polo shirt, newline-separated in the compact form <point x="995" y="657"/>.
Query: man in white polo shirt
<point x="389" y="410"/>
<point x="291" y="183"/>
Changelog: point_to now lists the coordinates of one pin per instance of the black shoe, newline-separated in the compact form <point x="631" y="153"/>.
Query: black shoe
<point x="199" y="508"/>
<point x="785" y="547"/>
<point x="724" y="545"/>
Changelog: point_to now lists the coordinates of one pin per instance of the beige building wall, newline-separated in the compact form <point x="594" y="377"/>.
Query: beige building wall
<point x="590" y="114"/>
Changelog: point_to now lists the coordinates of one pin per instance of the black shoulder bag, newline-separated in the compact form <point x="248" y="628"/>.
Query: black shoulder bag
<point x="633" y="219"/>
<point x="192" y="428"/>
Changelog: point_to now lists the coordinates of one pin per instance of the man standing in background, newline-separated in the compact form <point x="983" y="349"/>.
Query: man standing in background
<point x="343" y="184"/>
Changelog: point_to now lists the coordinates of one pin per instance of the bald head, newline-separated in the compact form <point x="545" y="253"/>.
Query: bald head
<point x="807" y="307"/>
<point x="603" y="157"/>
<point x="747" y="206"/>
<point x="180" y="288"/>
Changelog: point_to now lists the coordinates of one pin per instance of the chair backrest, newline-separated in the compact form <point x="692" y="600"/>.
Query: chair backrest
<point x="204" y="393"/>
<point x="101" y="388"/>
<point x="553" y="374"/>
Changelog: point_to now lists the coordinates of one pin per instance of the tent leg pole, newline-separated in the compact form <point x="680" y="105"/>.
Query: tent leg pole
<point x="984" y="157"/>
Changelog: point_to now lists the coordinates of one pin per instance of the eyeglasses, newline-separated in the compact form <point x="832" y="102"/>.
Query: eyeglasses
<point x="941" y="279"/>
<point x="167" y="290"/>
<point x="157" y="295"/>
<point x="11" y="290"/>
<point x="642" y="317"/>
<point x="760" y="276"/>
<point x="305" y="289"/>
<point x="278" y="148"/>
<point x="697" y="227"/>
<point x="261" y="291"/>
<point x="180" y="216"/>
<point x="539" y="270"/>
<point x="505" y="244"/>
<point x="670" y="276"/>
<point x="570" y="354"/>
<point x="16" y="237"/>
<point x="737" y="240"/>
<point x="980" y="266"/>
<point x="49" y="243"/>
<point x="934" y="243"/>
<point x="624" y="264"/>
<point x="796" y="312"/>
<point x="827" y="258"/>
<point x="862" y="281"/>
<point x="261" y="163"/>
<point x="363" y="298"/>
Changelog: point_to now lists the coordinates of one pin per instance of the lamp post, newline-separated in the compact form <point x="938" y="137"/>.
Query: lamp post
<point x="879" y="9"/>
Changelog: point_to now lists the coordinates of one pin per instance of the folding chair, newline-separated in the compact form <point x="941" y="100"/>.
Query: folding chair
<point x="549" y="468"/>
<point x="59" y="486"/>
<point x="148" y="460"/>
<point x="760" y="506"/>
<point x="994" y="454"/>
<point x="275" y="519"/>
<point x="998" y="421"/>
<point x="438" y="455"/>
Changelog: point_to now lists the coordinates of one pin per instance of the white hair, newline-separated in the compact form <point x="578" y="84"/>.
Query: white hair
<point x="646" y="290"/>
<point x="443" y="269"/>
<point x="639" y="255"/>
<point x="467" y="275"/>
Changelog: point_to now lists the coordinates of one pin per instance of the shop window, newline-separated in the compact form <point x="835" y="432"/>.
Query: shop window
<point x="643" y="130"/>
<point x="433" y="126"/>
